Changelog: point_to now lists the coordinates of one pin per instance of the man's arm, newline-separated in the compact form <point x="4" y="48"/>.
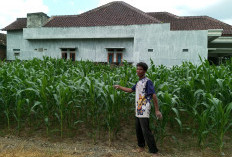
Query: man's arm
<point x="128" y="90"/>
<point x="157" y="112"/>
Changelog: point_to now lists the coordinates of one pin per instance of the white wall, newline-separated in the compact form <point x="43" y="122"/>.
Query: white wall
<point x="91" y="43"/>
<point x="168" y="46"/>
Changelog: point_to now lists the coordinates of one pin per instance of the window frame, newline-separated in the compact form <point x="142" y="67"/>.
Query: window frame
<point x="63" y="53"/>
<point x="16" y="52"/>
<point x="110" y="53"/>
<point x="68" y="52"/>
<point x="70" y="55"/>
<point x="117" y="54"/>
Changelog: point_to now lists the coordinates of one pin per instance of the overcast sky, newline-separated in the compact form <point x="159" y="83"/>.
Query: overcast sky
<point x="12" y="9"/>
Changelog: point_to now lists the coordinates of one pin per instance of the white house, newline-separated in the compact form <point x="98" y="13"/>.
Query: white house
<point x="117" y="31"/>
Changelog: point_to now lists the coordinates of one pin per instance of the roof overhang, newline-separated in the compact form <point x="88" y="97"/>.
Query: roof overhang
<point x="68" y="47"/>
<point x="214" y="34"/>
<point x="223" y="39"/>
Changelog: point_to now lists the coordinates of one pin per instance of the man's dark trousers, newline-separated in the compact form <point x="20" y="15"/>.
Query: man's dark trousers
<point x="144" y="133"/>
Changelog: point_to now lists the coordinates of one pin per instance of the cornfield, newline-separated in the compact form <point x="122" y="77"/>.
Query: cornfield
<point x="56" y="94"/>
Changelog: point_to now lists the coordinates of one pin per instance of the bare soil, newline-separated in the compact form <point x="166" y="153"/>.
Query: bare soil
<point x="80" y="144"/>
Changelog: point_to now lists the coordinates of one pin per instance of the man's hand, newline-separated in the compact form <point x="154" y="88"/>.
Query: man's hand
<point x="116" y="86"/>
<point x="158" y="114"/>
<point x="129" y="90"/>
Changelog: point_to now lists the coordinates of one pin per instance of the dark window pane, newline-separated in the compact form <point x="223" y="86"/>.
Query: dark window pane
<point x="150" y="50"/>
<point x="119" y="58"/>
<point x="72" y="56"/>
<point x="111" y="58"/>
<point x="64" y="55"/>
<point x="185" y="50"/>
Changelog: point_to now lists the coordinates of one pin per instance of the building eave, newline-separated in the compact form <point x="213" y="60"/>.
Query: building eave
<point x="214" y="34"/>
<point x="223" y="39"/>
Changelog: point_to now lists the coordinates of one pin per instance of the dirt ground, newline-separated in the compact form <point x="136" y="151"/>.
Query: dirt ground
<point x="35" y="143"/>
<point x="37" y="146"/>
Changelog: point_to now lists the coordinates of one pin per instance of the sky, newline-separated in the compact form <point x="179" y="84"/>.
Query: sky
<point x="12" y="9"/>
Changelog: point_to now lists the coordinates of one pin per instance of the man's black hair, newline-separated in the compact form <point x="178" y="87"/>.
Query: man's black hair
<point x="143" y="65"/>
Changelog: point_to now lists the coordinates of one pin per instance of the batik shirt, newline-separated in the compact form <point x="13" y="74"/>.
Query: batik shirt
<point x="144" y="90"/>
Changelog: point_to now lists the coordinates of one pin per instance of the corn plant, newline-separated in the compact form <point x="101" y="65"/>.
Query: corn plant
<point x="61" y="95"/>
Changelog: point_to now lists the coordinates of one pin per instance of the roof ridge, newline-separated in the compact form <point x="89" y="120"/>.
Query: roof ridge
<point x="213" y="19"/>
<point x="95" y="9"/>
<point x="125" y="4"/>
<point x="193" y="16"/>
<point x="139" y="11"/>
<point x="207" y="17"/>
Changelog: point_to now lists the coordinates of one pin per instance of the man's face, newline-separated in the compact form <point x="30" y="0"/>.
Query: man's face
<point x="140" y="72"/>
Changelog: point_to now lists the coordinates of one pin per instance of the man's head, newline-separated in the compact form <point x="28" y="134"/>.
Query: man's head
<point x="141" y="69"/>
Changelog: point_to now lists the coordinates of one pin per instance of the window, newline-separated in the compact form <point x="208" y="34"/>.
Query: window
<point x="119" y="58"/>
<point x="40" y="49"/>
<point x="16" y="52"/>
<point x="185" y="50"/>
<point x="110" y="58"/>
<point x="64" y="55"/>
<point x="68" y="53"/>
<point x="115" y="52"/>
<point x="72" y="56"/>
<point x="150" y="50"/>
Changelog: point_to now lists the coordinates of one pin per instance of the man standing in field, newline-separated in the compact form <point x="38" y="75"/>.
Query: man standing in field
<point x="144" y="93"/>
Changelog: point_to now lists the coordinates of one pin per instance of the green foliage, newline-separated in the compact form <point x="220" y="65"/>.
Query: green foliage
<point x="59" y="95"/>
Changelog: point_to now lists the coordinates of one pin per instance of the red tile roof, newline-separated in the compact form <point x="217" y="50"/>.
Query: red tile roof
<point x="192" y="22"/>
<point x="121" y="13"/>
<point x="19" y="24"/>
<point x="2" y="39"/>
<point x="114" y="13"/>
